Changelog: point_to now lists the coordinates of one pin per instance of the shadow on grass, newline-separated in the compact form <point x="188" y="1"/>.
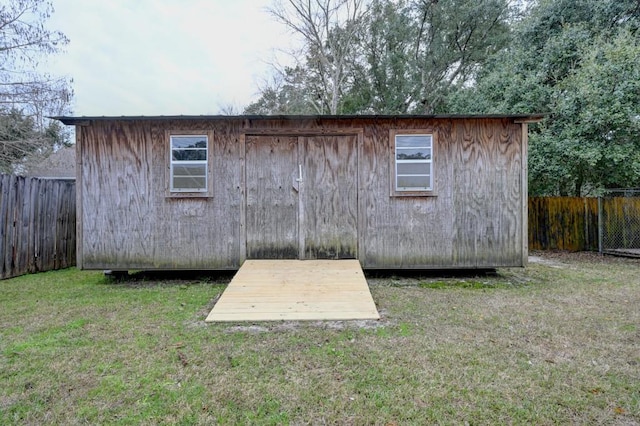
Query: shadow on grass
<point x="465" y="278"/>
<point x="429" y="273"/>
<point x="449" y="278"/>
<point x="167" y="278"/>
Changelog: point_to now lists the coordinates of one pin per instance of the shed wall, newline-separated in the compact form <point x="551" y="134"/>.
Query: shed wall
<point x="130" y="223"/>
<point x="473" y="221"/>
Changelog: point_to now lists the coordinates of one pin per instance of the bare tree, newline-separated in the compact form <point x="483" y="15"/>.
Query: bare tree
<point x="27" y="97"/>
<point x="329" y="30"/>
<point x="229" y="109"/>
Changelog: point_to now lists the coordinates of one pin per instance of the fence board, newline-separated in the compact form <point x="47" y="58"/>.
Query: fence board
<point x="37" y="225"/>
<point x="4" y="201"/>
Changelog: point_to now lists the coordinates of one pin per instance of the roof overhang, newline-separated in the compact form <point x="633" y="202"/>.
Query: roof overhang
<point x="87" y="120"/>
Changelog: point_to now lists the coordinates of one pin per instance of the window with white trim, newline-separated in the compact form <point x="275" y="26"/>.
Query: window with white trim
<point x="413" y="162"/>
<point x="189" y="163"/>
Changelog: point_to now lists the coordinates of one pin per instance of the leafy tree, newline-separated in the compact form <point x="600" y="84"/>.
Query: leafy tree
<point x="415" y="52"/>
<point x="26" y="96"/>
<point x="455" y="38"/>
<point x="21" y="137"/>
<point x="384" y="83"/>
<point x="577" y="62"/>
<point x="378" y="56"/>
<point x="596" y="121"/>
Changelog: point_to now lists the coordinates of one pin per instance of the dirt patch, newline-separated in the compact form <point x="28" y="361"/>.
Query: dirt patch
<point x="560" y="257"/>
<point x="287" y="326"/>
<point x="546" y="261"/>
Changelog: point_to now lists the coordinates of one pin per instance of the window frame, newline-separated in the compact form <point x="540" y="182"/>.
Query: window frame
<point x="186" y="193"/>
<point x="393" y="165"/>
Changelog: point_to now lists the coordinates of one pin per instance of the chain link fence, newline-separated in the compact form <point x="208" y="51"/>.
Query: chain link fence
<point x="619" y="217"/>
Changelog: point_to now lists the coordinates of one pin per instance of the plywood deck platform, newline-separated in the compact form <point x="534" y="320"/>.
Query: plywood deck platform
<point x="270" y="290"/>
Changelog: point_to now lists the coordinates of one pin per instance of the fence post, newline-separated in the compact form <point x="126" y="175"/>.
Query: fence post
<point x="600" y="220"/>
<point x="587" y="243"/>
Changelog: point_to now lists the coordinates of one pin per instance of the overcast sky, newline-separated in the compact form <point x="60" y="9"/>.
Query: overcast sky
<point x="164" y="57"/>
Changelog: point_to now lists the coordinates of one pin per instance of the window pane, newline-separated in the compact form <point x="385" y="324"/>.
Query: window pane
<point x="190" y="183"/>
<point x="189" y="166"/>
<point x="414" y="168"/>
<point x="413" y="154"/>
<point x="413" y="183"/>
<point x="190" y="170"/>
<point x="188" y="141"/>
<point x="413" y="141"/>
<point x="189" y="154"/>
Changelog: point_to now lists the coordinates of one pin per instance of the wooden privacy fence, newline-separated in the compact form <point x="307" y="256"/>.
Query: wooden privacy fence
<point x="37" y="225"/>
<point x="575" y="223"/>
<point x="563" y="223"/>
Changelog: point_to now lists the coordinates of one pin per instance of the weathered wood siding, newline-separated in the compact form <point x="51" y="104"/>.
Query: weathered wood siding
<point x="128" y="222"/>
<point x="37" y="225"/>
<point x="474" y="220"/>
<point x="302" y="196"/>
<point x="272" y="201"/>
<point x="329" y="206"/>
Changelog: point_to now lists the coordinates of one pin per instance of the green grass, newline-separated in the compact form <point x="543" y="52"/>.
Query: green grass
<point x="555" y="343"/>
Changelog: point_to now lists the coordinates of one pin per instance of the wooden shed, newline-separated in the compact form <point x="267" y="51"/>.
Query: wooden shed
<point x="208" y="192"/>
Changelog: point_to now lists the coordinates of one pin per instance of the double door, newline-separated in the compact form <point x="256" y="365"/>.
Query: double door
<point x="301" y="197"/>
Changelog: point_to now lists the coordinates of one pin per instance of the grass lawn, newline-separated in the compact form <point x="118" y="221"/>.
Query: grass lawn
<point x="558" y="342"/>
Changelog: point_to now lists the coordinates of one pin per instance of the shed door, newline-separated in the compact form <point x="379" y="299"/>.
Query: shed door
<point x="329" y="197"/>
<point x="272" y="199"/>
<point x="301" y="197"/>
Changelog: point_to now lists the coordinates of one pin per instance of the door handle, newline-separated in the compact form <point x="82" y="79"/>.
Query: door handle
<point x="297" y="180"/>
<point x="299" y="173"/>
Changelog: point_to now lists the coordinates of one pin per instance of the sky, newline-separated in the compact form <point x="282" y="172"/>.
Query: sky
<point x="164" y="57"/>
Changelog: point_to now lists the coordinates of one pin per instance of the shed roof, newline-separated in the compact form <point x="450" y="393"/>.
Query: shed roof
<point x="85" y="120"/>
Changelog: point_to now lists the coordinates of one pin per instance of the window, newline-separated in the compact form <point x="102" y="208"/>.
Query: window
<point x="189" y="163"/>
<point x="413" y="161"/>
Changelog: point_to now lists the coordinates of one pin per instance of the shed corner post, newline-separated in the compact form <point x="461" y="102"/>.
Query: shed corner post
<point x="79" y="226"/>
<point x="242" y="246"/>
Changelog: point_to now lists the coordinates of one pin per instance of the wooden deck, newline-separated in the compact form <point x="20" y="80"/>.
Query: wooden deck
<point x="273" y="290"/>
